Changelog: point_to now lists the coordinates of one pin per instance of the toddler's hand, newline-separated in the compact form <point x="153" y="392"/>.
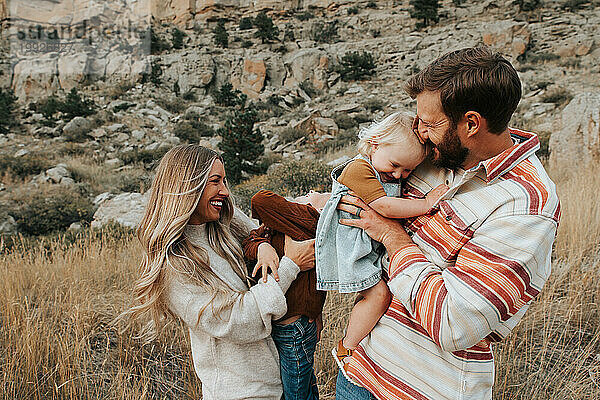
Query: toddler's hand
<point x="267" y="259"/>
<point x="434" y="195"/>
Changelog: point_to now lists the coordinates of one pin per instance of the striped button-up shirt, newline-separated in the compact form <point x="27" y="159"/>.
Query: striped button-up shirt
<point x="477" y="262"/>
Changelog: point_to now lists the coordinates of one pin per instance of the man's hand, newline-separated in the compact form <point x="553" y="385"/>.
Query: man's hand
<point x="302" y="253"/>
<point x="267" y="259"/>
<point x="384" y="230"/>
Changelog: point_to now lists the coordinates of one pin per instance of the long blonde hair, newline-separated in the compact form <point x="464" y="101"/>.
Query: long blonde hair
<point x="176" y="189"/>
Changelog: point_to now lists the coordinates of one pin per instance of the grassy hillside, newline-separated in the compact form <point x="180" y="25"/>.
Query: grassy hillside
<point x="57" y="299"/>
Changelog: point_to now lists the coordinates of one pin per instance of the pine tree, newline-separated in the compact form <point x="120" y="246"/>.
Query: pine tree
<point x="7" y="108"/>
<point x="221" y="36"/>
<point x="425" y="10"/>
<point x="267" y="31"/>
<point x="177" y="38"/>
<point x="241" y="144"/>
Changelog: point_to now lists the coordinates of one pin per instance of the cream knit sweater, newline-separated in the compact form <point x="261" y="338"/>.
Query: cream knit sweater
<point x="233" y="353"/>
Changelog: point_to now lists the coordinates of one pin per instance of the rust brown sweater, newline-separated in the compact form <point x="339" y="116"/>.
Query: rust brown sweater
<point x="280" y="217"/>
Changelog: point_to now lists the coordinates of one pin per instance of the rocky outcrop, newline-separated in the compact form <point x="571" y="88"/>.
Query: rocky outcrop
<point x="307" y="65"/>
<point x="509" y="37"/>
<point x="252" y="79"/>
<point x="56" y="175"/>
<point x="125" y="209"/>
<point x="35" y="77"/>
<point x="578" y="140"/>
<point x="191" y="70"/>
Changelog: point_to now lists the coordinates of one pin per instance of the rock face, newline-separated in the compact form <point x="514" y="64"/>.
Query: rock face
<point x="35" y="77"/>
<point x="190" y="70"/>
<point x="307" y="65"/>
<point x="126" y="209"/>
<point x="509" y="37"/>
<point x="60" y="44"/>
<point x="578" y="140"/>
<point x="252" y="80"/>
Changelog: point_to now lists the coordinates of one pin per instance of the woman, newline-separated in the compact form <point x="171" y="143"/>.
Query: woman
<point x="193" y="269"/>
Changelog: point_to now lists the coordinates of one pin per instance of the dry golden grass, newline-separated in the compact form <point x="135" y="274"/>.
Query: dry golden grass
<point x="57" y="302"/>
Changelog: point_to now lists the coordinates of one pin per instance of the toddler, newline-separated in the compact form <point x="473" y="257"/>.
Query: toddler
<point x="347" y="259"/>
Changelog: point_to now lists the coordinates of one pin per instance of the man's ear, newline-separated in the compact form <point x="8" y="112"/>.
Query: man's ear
<point x="473" y="123"/>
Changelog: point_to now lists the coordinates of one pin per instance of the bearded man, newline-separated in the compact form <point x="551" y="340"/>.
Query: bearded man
<point x="463" y="275"/>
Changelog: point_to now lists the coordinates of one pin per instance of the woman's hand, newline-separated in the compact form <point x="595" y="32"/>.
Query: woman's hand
<point x="266" y="259"/>
<point x="384" y="230"/>
<point x="302" y="253"/>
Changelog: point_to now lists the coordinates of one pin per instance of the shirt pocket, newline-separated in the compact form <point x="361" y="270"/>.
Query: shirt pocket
<point x="447" y="231"/>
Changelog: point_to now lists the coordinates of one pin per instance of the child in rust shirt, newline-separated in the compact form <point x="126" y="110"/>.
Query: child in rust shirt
<point x="296" y="334"/>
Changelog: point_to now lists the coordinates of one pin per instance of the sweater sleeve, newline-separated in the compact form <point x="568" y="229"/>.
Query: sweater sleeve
<point x="359" y="177"/>
<point x="239" y="317"/>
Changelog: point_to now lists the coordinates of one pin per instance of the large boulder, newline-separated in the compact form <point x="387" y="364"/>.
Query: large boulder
<point x="578" y="139"/>
<point x="77" y="126"/>
<point x="125" y="209"/>
<point x="252" y="79"/>
<point x="8" y="225"/>
<point x="510" y="37"/>
<point x="190" y="71"/>
<point x="35" y="77"/>
<point x="307" y="65"/>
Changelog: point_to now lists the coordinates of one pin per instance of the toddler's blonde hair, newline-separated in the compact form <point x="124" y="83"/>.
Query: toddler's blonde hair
<point x="393" y="129"/>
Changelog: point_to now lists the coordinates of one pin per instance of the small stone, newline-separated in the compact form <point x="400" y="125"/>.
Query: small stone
<point x="348" y="108"/>
<point x="138" y="134"/>
<point x="121" y="137"/>
<point x="8" y="226"/>
<point x="75" y="227"/>
<point x="58" y="173"/>
<point x="98" y="133"/>
<point x="152" y="146"/>
<point x="21" y="153"/>
<point x="113" y="162"/>
<point x="66" y="181"/>
<point x="115" y="127"/>
<point x="355" y="89"/>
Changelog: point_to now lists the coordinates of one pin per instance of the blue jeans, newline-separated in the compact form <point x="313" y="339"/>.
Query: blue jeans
<point x="296" y="344"/>
<point x="346" y="390"/>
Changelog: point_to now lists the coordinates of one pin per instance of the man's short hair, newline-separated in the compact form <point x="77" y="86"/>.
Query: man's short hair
<point x="472" y="79"/>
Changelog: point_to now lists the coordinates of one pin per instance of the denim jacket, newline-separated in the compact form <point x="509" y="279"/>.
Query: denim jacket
<point x="347" y="259"/>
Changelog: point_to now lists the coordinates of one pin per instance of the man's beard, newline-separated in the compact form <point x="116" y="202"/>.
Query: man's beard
<point x="450" y="152"/>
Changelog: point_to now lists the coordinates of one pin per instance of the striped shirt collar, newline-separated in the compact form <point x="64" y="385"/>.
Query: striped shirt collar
<point x="526" y="144"/>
